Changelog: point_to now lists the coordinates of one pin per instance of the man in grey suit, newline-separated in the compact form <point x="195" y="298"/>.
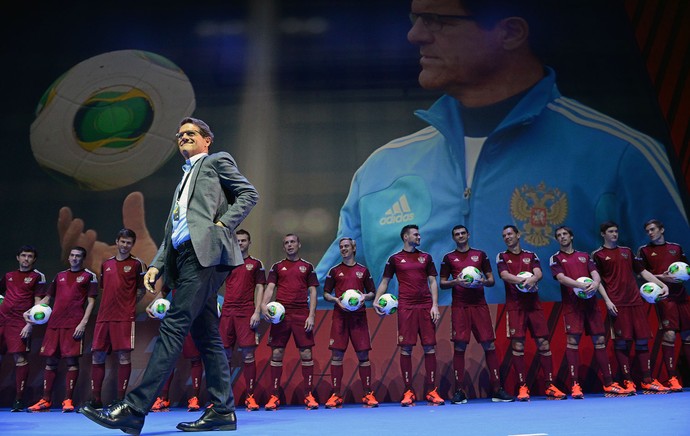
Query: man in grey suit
<point x="197" y="253"/>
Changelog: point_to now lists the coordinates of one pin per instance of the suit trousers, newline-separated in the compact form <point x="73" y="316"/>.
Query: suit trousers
<point x="193" y="309"/>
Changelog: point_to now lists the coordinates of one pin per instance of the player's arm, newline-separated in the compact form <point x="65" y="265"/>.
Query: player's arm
<point x="433" y="290"/>
<point x="488" y="280"/>
<point x="268" y="295"/>
<point x="81" y="327"/>
<point x="648" y="276"/>
<point x="383" y="287"/>
<point x="258" y="299"/>
<point x="613" y="310"/>
<point x="309" y="323"/>
<point x="567" y="281"/>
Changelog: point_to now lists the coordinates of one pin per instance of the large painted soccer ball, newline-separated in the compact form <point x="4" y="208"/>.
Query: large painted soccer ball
<point x="680" y="271"/>
<point x="160" y="307"/>
<point x="352" y="299"/>
<point x="580" y="293"/>
<point x="388" y="303"/>
<point x="520" y="286"/>
<point x="276" y="312"/>
<point x="40" y="313"/>
<point x="471" y="275"/>
<point x="109" y="121"/>
<point x="650" y="291"/>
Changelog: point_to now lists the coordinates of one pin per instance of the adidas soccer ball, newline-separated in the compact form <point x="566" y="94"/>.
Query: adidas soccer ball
<point x="352" y="299"/>
<point x="276" y="312"/>
<point x="388" y="303"/>
<point x="520" y="286"/>
<point x="680" y="271"/>
<point x="2" y="299"/>
<point x="471" y="275"/>
<point x="219" y="308"/>
<point x="40" y="313"/>
<point x="650" y="291"/>
<point x="580" y="292"/>
<point x="109" y="121"/>
<point x="160" y="307"/>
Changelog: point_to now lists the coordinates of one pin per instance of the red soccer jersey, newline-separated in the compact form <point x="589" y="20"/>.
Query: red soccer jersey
<point x="292" y="279"/>
<point x="412" y="270"/>
<point x="452" y="265"/>
<point x="342" y="277"/>
<point x="525" y="261"/>
<point x="657" y="258"/>
<point x="574" y="265"/>
<point x="618" y="268"/>
<point x="120" y="280"/>
<point x="19" y="289"/>
<point x="69" y="291"/>
<point x="240" y="286"/>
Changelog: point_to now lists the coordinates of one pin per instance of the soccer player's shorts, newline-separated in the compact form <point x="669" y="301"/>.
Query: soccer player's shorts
<point x="471" y="319"/>
<point x="352" y="326"/>
<point x="113" y="336"/>
<point x="189" y="350"/>
<point x="60" y="342"/>
<point x="674" y="315"/>
<point x="631" y="323"/>
<point x="292" y="324"/>
<point x="235" y="330"/>
<point x="413" y="322"/>
<point x="11" y="340"/>
<point x="518" y="321"/>
<point x="584" y="318"/>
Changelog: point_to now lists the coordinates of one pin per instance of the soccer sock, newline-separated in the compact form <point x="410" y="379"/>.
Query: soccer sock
<point x="623" y="358"/>
<point x="196" y="372"/>
<point x="276" y="374"/>
<point x="365" y="375"/>
<point x="572" y="355"/>
<point x="97" y="376"/>
<point x="48" y="380"/>
<point x="166" y="387"/>
<point x="546" y="361"/>
<point x="603" y="361"/>
<point x="406" y="370"/>
<point x="686" y="350"/>
<point x="519" y="365"/>
<point x="21" y="375"/>
<point x="668" y="353"/>
<point x="336" y="375"/>
<point x="644" y="360"/>
<point x="459" y="368"/>
<point x="250" y="376"/>
<point x="124" y="370"/>
<point x="430" y="371"/>
<point x="494" y="371"/>
<point x="71" y="381"/>
<point x="308" y="375"/>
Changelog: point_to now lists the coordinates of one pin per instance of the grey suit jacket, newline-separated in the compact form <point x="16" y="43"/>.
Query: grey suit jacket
<point x="217" y="192"/>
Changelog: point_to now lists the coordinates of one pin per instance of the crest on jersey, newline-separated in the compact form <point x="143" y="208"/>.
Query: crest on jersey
<point x="538" y="210"/>
<point x="302" y="269"/>
<point x="80" y="279"/>
<point x="421" y="259"/>
<point x="27" y="280"/>
<point x="127" y="269"/>
<point x="359" y="274"/>
<point x="525" y="260"/>
<point x="474" y="258"/>
<point x="249" y="266"/>
<point x="582" y="259"/>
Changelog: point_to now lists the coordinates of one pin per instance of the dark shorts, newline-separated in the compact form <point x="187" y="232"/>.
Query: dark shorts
<point x="235" y="330"/>
<point x="60" y="342"/>
<point x="586" y="318"/>
<point x="674" y="315"/>
<point x="471" y="319"/>
<point x="293" y="324"/>
<point x="113" y="336"/>
<point x="630" y="324"/>
<point x="11" y="340"/>
<point x="352" y="326"/>
<point x="518" y="321"/>
<point x="413" y="322"/>
<point x="189" y="350"/>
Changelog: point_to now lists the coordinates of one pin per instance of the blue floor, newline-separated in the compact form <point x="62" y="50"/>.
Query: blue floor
<point x="667" y="415"/>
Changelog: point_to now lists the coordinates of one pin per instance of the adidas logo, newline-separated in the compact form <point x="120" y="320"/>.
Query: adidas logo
<point x="400" y="212"/>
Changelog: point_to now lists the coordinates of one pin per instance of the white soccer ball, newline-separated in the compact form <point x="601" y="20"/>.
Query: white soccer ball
<point x="650" y="291"/>
<point x="580" y="292"/>
<point x="352" y="299"/>
<point x="40" y="313"/>
<point x="219" y="308"/>
<point x="388" y="303"/>
<point x="471" y="275"/>
<point x="276" y="312"/>
<point x="160" y="307"/>
<point x="109" y="121"/>
<point x="2" y="299"/>
<point x="680" y="271"/>
<point x="520" y="286"/>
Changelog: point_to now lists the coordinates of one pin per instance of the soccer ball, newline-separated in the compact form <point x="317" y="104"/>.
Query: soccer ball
<point x="470" y="275"/>
<point x="276" y="312"/>
<point x="352" y="299"/>
<point x="2" y="299"/>
<point x="650" y="291"/>
<point x="160" y="307"/>
<point x="520" y="286"/>
<point x="219" y="308"/>
<point x="580" y="293"/>
<point x="388" y="303"/>
<point x="109" y="121"/>
<point x="680" y="271"/>
<point x="40" y="313"/>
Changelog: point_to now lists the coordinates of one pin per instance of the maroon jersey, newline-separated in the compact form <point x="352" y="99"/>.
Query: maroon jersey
<point x="120" y="280"/>
<point x="292" y="279"/>
<point x="412" y="270"/>
<point x="69" y="291"/>
<point x="524" y="261"/>
<point x="657" y="258"/>
<point x="19" y="289"/>
<point x="618" y="268"/>
<point x="342" y="277"/>
<point x="452" y="265"/>
<point x="574" y="265"/>
<point x="240" y="286"/>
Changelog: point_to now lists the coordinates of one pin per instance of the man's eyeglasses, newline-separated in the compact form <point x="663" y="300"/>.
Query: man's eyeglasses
<point x="190" y="133"/>
<point x="436" y="22"/>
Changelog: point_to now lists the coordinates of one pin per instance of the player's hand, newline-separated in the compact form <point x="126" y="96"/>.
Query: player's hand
<point x="668" y="278"/>
<point x="150" y="279"/>
<point x="264" y="313"/>
<point x="27" y="318"/>
<point x="309" y="323"/>
<point x="26" y="331"/>
<point x="79" y="331"/>
<point x="664" y="291"/>
<point x="613" y="310"/>
<point x="530" y="283"/>
<point x="149" y="307"/>
<point x="254" y="320"/>
<point x="435" y="314"/>
<point x="71" y="233"/>
<point x="464" y="284"/>
<point x="377" y="308"/>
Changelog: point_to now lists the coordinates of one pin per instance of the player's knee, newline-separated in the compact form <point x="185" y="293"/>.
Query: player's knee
<point x="406" y="350"/>
<point x="517" y="346"/>
<point x="305" y="353"/>
<point x="543" y="345"/>
<point x="669" y="337"/>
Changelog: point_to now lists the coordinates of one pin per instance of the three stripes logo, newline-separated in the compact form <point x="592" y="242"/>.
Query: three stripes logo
<point x="400" y="212"/>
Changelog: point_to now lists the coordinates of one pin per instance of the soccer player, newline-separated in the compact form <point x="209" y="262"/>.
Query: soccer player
<point x="294" y="283"/>
<point x="470" y="313"/>
<point x="673" y="311"/>
<point x="418" y="312"/>
<point x="581" y="315"/>
<point x="618" y="267"/>
<point x="21" y="288"/>
<point x="349" y="325"/>
<point x="241" y="313"/>
<point x="73" y="292"/>
<point x="122" y="280"/>
<point x="524" y="311"/>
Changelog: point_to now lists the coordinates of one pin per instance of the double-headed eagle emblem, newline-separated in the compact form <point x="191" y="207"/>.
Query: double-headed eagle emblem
<point x="539" y="210"/>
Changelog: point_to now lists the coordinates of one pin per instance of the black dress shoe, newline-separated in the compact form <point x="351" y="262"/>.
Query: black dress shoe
<point x="119" y="416"/>
<point x="211" y="420"/>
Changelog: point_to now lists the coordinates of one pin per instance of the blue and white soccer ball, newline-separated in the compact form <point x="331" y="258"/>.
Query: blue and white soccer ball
<point x="650" y="292"/>
<point x="680" y="271"/>
<point x="471" y="275"/>
<point x="40" y="313"/>
<point x="160" y="307"/>
<point x="352" y="299"/>
<point x="276" y="312"/>
<point x="520" y="286"/>
<point x="580" y="292"/>
<point x="388" y="303"/>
